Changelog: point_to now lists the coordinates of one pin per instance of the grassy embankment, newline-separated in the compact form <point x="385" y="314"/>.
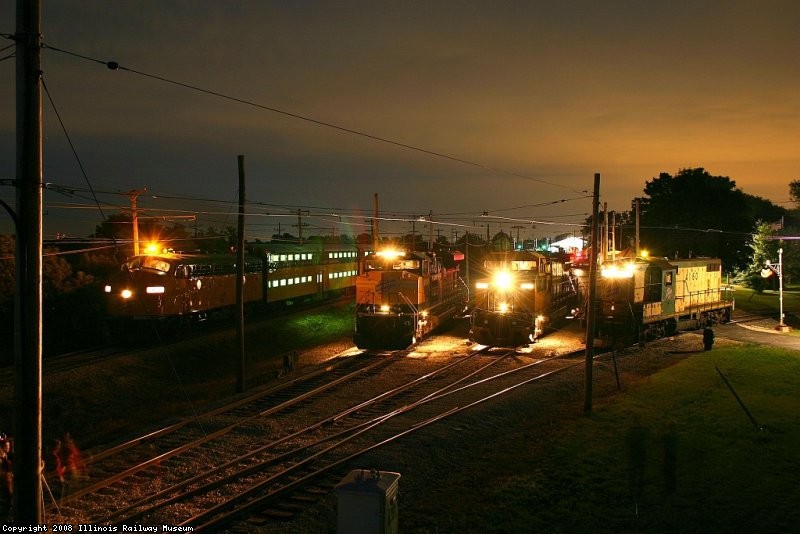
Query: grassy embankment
<point x="679" y="453"/>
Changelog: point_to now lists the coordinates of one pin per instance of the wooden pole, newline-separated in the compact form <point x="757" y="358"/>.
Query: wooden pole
<point x="637" y="227"/>
<point x="240" y="378"/>
<point x="375" y="237"/>
<point x="28" y="301"/>
<point x="590" y="308"/>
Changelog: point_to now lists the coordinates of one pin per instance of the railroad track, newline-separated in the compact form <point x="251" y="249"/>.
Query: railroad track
<point x="259" y="502"/>
<point x="116" y="470"/>
<point x="168" y="456"/>
<point x="169" y="488"/>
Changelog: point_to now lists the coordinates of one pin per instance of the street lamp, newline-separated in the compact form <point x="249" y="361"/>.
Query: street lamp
<point x="779" y="271"/>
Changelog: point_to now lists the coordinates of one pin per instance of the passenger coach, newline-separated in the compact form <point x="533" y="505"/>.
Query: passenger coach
<point x="180" y="285"/>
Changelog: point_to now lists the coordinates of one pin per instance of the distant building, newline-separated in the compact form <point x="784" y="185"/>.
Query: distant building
<point x="569" y="244"/>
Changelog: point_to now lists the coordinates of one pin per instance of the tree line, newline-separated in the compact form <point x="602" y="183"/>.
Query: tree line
<point x="689" y="214"/>
<point x="696" y="214"/>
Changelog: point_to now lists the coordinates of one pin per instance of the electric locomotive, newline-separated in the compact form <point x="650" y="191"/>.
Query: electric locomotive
<point x="647" y="298"/>
<point x="169" y="285"/>
<point x="403" y="296"/>
<point x="524" y="293"/>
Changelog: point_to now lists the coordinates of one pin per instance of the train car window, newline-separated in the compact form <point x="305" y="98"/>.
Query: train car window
<point x="406" y="265"/>
<point x="668" y="279"/>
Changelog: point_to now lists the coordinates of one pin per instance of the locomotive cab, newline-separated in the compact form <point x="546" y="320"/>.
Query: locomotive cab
<point x="403" y="296"/>
<point x="522" y="294"/>
<point x="648" y="298"/>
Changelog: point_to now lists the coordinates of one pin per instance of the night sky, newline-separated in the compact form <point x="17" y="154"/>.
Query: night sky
<point x="507" y="108"/>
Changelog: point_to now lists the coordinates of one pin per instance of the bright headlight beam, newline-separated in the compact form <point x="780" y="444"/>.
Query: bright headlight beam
<point x="502" y="280"/>
<point x="617" y="271"/>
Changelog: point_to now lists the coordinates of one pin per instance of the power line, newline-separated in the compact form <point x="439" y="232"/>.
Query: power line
<point x="113" y="65"/>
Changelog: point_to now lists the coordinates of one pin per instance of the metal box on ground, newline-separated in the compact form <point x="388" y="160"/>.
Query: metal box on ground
<point x="367" y="502"/>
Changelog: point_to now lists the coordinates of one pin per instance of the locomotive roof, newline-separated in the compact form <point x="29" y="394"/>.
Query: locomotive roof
<point x="666" y="263"/>
<point x="274" y="246"/>
<point x="516" y="255"/>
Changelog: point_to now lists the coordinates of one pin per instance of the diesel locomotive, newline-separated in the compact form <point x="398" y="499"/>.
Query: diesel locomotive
<point x="522" y="295"/>
<point x="647" y="298"/>
<point x="403" y="296"/>
<point x="190" y="286"/>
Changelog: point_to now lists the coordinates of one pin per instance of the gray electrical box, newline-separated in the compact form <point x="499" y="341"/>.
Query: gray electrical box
<point x="367" y="502"/>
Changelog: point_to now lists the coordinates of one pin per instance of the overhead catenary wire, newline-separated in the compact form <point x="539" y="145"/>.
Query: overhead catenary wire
<point x="409" y="217"/>
<point x="71" y="146"/>
<point x="113" y="65"/>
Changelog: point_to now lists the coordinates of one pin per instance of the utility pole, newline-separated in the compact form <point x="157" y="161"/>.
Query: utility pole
<point x="518" y="227"/>
<point x="614" y="235"/>
<point x="590" y="311"/>
<point x="240" y="282"/>
<point x="300" y="224"/>
<point x="637" y="227"/>
<point x="779" y="271"/>
<point x="430" y="231"/>
<point x="27" y="499"/>
<point x="133" y="194"/>
<point x="375" y="237"/>
<point x="605" y="232"/>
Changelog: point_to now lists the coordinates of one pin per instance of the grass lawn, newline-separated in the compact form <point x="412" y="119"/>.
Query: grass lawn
<point x="676" y="454"/>
<point x="766" y="301"/>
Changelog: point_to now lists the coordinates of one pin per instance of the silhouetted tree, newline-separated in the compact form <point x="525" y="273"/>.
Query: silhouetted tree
<point x="696" y="214"/>
<point x="794" y="192"/>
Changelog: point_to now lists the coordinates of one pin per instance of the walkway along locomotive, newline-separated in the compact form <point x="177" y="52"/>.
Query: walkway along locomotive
<point x="190" y="286"/>
<point x="403" y="296"/>
<point x="648" y="298"/>
<point x="524" y="293"/>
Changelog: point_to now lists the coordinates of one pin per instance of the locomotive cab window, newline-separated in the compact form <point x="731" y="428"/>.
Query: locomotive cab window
<point x="652" y="289"/>
<point x="156" y="264"/>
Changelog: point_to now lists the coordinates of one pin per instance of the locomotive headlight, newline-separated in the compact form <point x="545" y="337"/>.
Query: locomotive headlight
<point x="526" y="285"/>
<point x="502" y="307"/>
<point x="617" y="271"/>
<point x="482" y="285"/>
<point x="155" y="290"/>
<point x="107" y="289"/>
<point x="153" y="247"/>
<point x="126" y="293"/>
<point x="390" y="254"/>
<point x="385" y="308"/>
<point x="503" y="280"/>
